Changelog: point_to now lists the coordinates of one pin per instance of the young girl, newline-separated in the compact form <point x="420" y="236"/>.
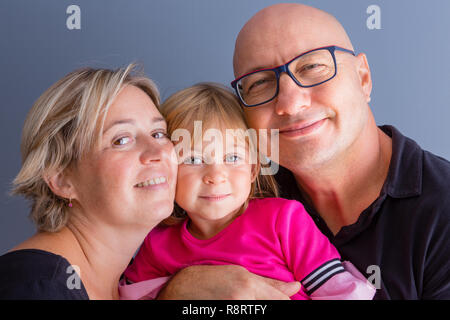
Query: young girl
<point x="223" y="214"/>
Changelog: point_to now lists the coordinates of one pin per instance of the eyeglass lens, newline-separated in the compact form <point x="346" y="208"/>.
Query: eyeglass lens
<point x="309" y="69"/>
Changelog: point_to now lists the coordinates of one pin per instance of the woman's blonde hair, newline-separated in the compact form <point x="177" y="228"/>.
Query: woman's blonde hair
<point x="64" y="124"/>
<point x="216" y="107"/>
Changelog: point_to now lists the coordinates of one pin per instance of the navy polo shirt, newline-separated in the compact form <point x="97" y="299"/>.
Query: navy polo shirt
<point x="405" y="233"/>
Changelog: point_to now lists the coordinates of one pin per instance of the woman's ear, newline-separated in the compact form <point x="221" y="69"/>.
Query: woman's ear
<point x="60" y="184"/>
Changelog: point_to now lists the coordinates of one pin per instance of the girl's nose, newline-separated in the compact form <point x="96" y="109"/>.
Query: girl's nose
<point x="215" y="175"/>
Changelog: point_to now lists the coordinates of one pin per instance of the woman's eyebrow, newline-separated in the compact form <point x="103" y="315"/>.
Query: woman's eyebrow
<point x="131" y="121"/>
<point x="158" y="119"/>
<point x="121" y="121"/>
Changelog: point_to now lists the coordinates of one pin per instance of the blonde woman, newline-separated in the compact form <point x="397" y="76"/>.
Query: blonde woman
<point x="100" y="172"/>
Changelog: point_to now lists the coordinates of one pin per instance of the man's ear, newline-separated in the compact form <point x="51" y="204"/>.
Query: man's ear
<point x="364" y="75"/>
<point x="60" y="184"/>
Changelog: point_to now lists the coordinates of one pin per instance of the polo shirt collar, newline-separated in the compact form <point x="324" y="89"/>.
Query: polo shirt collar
<point x="405" y="170"/>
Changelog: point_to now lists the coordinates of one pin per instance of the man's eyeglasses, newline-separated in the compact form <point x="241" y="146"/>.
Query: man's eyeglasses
<point x="309" y="69"/>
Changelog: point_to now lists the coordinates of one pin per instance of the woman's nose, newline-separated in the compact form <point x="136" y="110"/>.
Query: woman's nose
<point x="154" y="151"/>
<point x="214" y="175"/>
<point x="291" y="97"/>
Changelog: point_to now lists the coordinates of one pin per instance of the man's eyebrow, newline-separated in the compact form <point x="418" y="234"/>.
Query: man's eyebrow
<point x="254" y="69"/>
<point x="131" y="121"/>
<point x="258" y="68"/>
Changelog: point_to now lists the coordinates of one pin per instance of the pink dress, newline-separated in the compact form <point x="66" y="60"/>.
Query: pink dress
<point x="274" y="238"/>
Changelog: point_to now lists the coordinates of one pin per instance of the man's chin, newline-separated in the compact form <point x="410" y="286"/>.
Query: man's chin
<point x="304" y="156"/>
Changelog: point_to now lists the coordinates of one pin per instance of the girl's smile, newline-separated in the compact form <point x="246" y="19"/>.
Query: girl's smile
<point x="215" y="197"/>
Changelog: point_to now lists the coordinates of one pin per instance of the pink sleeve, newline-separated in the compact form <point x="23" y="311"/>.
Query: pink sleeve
<point x="314" y="261"/>
<point x="348" y="285"/>
<point x="143" y="290"/>
<point x="308" y="253"/>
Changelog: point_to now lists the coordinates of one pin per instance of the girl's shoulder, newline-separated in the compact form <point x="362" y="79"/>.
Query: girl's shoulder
<point x="274" y="203"/>
<point x="276" y="207"/>
<point x="162" y="233"/>
<point x="275" y="213"/>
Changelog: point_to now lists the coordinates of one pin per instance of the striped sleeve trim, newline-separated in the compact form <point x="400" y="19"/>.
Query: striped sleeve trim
<point x="319" y="276"/>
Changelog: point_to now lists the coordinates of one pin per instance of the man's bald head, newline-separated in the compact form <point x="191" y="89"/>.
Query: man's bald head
<point x="319" y="124"/>
<point x="286" y="25"/>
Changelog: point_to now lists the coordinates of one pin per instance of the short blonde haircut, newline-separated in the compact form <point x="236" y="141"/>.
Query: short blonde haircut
<point x="217" y="107"/>
<point x="64" y="124"/>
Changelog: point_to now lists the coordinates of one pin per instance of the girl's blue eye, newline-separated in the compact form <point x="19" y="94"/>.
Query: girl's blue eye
<point x="193" y="160"/>
<point x="232" y="158"/>
<point x="122" y="141"/>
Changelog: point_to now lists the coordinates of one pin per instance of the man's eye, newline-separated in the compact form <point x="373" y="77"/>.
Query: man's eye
<point x="193" y="160"/>
<point x="256" y="84"/>
<point x="310" y="66"/>
<point x="313" y="67"/>
<point x="259" y="85"/>
<point x="122" y="141"/>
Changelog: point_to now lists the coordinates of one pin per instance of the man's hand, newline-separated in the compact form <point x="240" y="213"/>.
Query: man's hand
<point x="226" y="282"/>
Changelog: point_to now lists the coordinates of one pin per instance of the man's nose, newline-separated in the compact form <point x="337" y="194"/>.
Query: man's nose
<point x="215" y="174"/>
<point x="291" y="97"/>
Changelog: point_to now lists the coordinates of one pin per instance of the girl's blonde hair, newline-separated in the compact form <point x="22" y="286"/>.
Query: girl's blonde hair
<point x="64" y="124"/>
<point x="216" y="107"/>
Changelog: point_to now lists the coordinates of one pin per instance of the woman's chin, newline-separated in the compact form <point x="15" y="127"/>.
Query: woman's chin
<point x="159" y="212"/>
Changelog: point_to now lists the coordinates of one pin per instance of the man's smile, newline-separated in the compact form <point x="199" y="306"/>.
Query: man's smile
<point x="302" y="128"/>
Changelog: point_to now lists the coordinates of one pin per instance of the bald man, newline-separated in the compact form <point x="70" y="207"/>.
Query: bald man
<point x="379" y="198"/>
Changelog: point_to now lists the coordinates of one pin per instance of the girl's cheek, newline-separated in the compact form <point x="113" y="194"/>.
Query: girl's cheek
<point x="185" y="177"/>
<point x="244" y="168"/>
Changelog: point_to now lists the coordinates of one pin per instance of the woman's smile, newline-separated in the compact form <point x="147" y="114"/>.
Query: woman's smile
<point x="152" y="182"/>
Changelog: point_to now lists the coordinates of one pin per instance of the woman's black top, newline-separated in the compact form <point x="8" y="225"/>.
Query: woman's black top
<point x="38" y="274"/>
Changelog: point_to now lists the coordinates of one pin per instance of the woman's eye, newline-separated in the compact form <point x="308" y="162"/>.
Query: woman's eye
<point x="159" y="135"/>
<point x="193" y="160"/>
<point x="122" y="141"/>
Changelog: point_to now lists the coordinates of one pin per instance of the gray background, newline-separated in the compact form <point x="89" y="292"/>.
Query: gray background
<point x="181" y="42"/>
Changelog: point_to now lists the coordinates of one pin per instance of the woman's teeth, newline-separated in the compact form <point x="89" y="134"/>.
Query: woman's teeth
<point x="150" y="182"/>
